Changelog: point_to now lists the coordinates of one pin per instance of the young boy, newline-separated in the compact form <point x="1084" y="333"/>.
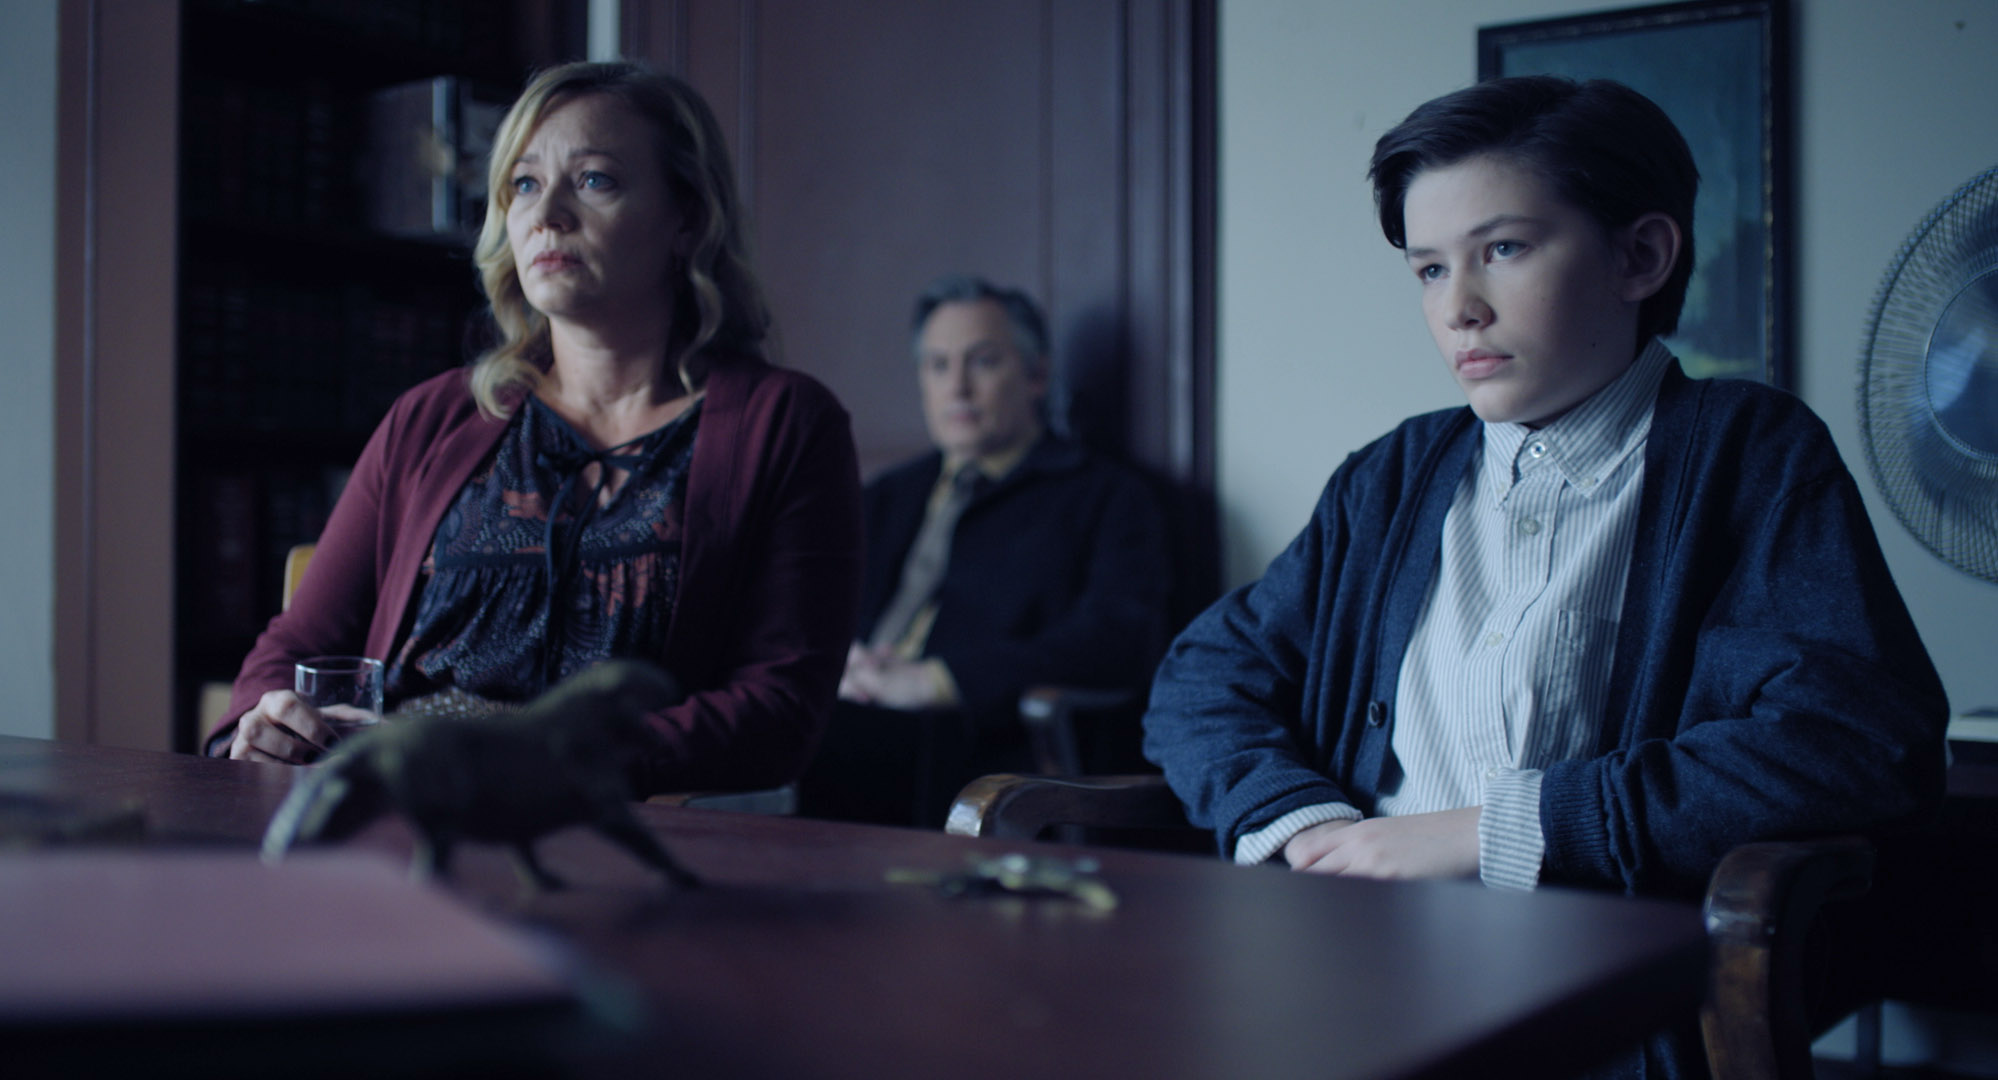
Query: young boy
<point x="1598" y="628"/>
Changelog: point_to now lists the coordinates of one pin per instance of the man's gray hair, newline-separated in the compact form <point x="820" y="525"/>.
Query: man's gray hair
<point x="1030" y="327"/>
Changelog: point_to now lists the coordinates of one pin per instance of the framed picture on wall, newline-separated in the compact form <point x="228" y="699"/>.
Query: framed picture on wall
<point x="1720" y="70"/>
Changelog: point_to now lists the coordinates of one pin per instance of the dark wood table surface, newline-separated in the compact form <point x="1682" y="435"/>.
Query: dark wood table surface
<point x="798" y="959"/>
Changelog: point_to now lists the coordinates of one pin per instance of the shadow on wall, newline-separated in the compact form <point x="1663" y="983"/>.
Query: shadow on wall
<point x="1091" y="395"/>
<point x="1092" y="399"/>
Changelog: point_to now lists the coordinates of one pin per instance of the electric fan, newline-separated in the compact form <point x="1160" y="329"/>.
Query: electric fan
<point x="1928" y="380"/>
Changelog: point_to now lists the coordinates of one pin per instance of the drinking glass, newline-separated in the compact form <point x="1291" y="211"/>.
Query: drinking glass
<point x="347" y="691"/>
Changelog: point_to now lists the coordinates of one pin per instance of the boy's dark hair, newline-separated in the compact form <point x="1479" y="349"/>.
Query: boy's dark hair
<point x="1602" y="146"/>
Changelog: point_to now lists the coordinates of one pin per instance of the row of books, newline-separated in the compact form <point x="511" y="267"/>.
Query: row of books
<point x="269" y="155"/>
<point x="428" y="144"/>
<point x="285" y="359"/>
<point x="459" y="28"/>
<point x="247" y="521"/>
<point x="404" y="160"/>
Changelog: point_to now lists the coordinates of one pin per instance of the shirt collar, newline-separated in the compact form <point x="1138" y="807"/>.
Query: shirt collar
<point x="994" y="466"/>
<point x="1588" y="441"/>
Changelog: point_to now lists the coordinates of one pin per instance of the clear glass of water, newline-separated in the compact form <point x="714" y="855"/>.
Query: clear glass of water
<point x="347" y="691"/>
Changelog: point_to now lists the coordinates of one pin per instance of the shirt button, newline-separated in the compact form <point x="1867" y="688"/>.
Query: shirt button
<point x="1536" y="449"/>
<point x="1491" y="773"/>
<point x="1528" y="526"/>
<point x="1494" y="638"/>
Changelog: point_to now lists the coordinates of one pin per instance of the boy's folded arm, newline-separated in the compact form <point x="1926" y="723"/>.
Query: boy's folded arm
<point x="1265" y="843"/>
<point x="1657" y="817"/>
<point x="1224" y="735"/>
<point x="1227" y="700"/>
<point x="1806" y="705"/>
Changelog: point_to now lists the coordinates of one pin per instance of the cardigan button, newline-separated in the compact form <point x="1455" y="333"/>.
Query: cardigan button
<point x="1376" y="713"/>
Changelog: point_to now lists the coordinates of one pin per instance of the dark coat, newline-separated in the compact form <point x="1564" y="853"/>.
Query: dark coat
<point x="1058" y="573"/>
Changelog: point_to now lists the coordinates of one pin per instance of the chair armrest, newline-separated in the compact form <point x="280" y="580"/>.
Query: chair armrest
<point x="1760" y="905"/>
<point x="1049" y="714"/>
<point x="1014" y="807"/>
<point x="295" y="562"/>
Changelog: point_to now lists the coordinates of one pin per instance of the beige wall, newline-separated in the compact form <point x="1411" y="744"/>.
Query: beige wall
<point x="1321" y="346"/>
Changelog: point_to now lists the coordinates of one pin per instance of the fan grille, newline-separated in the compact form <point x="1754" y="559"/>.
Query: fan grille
<point x="1942" y="486"/>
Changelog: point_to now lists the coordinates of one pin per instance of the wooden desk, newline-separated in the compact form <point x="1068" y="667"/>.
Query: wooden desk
<point x="798" y="960"/>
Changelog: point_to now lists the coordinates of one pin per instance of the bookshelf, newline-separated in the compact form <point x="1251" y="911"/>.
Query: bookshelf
<point x="297" y="322"/>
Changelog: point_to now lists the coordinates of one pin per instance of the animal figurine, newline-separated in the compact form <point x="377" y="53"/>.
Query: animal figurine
<point x="561" y="759"/>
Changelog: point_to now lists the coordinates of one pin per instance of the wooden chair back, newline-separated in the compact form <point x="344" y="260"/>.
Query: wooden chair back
<point x="295" y="562"/>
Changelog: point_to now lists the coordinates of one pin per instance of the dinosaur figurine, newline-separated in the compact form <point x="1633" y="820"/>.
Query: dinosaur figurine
<point x="561" y="759"/>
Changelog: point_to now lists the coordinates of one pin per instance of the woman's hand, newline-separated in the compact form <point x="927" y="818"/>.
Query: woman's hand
<point x="1438" y="845"/>
<point x="282" y="729"/>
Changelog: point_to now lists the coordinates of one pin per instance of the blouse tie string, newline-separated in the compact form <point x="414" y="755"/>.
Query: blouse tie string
<point x="560" y="551"/>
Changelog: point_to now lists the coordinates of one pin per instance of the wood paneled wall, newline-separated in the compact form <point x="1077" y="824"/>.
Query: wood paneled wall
<point x="119" y="73"/>
<point x="1063" y="146"/>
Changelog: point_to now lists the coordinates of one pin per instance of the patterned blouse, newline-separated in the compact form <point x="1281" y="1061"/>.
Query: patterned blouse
<point x="490" y="630"/>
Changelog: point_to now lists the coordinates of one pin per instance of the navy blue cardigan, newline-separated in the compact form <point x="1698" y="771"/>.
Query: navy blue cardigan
<point x="1767" y="679"/>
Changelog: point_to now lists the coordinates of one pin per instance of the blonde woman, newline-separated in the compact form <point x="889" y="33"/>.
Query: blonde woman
<point x="623" y="475"/>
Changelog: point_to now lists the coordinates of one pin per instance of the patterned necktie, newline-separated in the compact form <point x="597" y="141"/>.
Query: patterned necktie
<point x="923" y="570"/>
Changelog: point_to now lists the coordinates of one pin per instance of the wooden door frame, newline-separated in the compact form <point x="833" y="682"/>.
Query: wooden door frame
<point x="116" y="224"/>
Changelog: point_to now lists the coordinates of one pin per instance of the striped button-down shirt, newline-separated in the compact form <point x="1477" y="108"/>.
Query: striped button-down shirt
<point x="1508" y="666"/>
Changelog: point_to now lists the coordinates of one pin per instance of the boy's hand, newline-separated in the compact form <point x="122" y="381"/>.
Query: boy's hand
<point x="1438" y="845"/>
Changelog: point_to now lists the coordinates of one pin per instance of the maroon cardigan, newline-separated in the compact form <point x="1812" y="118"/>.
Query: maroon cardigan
<point x="769" y="568"/>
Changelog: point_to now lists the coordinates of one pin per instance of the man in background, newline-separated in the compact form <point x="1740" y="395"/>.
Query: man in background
<point x="1006" y="557"/>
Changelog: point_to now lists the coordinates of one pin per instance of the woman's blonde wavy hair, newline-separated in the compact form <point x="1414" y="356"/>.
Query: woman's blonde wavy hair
<point x="716" y="304"/>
